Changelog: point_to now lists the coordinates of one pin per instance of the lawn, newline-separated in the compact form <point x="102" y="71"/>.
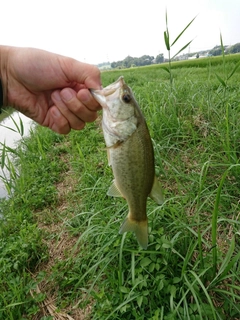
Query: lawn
<point x="61" y="254"/>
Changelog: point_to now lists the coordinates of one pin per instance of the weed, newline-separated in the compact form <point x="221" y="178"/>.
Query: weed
<point x="169" y="45"/>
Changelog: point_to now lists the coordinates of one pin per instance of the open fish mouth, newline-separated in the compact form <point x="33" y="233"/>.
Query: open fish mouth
<point x="110" y="90"/>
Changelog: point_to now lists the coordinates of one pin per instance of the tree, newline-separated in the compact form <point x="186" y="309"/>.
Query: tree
<point x="145" y="60"/>
<point x="235" y="48"/>
<point x="217" y="51"/>
<point x="160" y="58"/>
<point x="128" y="61"/>
<point x="114" y="64"/>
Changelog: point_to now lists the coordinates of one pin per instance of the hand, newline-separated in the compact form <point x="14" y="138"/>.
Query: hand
<point x="49" y="88"/>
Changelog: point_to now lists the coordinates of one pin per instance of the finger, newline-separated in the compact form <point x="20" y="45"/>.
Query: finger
<point x="87" y="113"/>
<point x="87" y="99"/>
<point x="57" y="122"/>
<point x="75" y="121"/>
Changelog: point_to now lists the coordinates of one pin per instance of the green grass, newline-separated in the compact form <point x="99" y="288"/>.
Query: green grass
<point x="191" y="268"/>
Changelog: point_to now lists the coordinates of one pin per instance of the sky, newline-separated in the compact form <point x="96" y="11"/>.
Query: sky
<point x="96" y="31"/>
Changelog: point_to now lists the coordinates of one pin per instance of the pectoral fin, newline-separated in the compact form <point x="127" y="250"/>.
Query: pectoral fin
<point x="113" y="191"/>
<point x="157" y="192"/>
<point x="108" y="157"/>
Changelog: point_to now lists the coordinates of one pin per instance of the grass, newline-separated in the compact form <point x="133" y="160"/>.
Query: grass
<point x="59" y="240"/>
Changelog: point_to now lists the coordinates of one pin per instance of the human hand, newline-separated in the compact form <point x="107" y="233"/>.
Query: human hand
<point x="50" y="89"/>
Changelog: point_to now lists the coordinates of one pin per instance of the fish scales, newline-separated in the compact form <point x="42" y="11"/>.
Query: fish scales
<point x="135" y="167"/>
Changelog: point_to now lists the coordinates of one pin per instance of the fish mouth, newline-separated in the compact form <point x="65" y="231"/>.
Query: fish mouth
<point x="119" y="83"/>
<point x="99" y="97"/>
<point x="112" y="89"/>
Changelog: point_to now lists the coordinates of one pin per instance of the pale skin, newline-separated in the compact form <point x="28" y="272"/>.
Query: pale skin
<point x="51" y="89"/>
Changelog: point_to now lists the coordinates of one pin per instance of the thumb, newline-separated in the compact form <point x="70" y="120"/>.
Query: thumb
<point x="86" y="74"/>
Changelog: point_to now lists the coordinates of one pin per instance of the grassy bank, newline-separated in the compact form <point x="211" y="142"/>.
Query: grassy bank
<point x="61" y="255"/>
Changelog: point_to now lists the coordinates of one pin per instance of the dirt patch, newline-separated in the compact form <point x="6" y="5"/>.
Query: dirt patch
<point x="60" y="244"/>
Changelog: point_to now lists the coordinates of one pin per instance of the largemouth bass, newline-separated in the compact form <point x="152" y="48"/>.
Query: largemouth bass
<point x="130" y="154"/>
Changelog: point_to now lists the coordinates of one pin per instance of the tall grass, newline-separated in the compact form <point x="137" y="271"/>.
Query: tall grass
<point x="168" y="45"/>
<point x="8" y="172"/>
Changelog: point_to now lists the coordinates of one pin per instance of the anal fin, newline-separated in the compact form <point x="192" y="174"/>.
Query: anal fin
<point x="113" y="191"/>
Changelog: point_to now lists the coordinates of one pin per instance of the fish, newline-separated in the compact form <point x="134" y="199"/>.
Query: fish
<point x="130" y="154"/>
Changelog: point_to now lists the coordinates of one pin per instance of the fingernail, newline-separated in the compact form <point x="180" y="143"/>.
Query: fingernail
<point x="56" y="96"/>
<point x="66" y="95"/>
<point x="56" y="112"/>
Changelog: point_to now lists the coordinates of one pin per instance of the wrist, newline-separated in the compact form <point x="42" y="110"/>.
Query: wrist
<point x="1" y="96"/>
<point x="4" y="51"/>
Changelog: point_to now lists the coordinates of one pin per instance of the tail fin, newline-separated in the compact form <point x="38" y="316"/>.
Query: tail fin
<point x="139" y="228"/>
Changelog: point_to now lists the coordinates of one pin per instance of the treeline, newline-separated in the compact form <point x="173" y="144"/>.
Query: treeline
<point x="129" y="61"/>
<point x="217" y="50"/>
<point x="145" y="60"/>
<point x="133" y="62"/>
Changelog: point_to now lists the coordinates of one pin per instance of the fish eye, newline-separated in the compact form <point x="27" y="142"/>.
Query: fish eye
<point x="126" y="97"/>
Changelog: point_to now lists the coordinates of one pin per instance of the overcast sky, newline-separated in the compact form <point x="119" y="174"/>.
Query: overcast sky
<point x="95" y="31"/>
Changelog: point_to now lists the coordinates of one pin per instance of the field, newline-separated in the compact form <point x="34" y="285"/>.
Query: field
<point x="61" y="256"/>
